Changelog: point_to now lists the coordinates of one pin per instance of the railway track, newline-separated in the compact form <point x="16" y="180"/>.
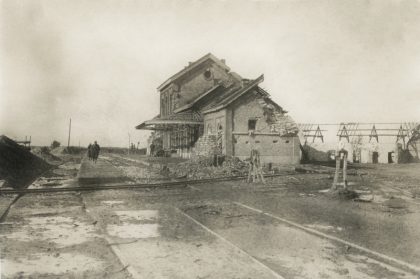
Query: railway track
<point x="132" y="186"/>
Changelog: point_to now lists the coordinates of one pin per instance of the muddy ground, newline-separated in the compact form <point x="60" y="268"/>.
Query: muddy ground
<point x="216" y="230"/>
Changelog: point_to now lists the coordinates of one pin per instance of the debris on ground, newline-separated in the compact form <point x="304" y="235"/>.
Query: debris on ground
<point x="395" y="203"/>
<point x="344" y="194"/>
<point x="45" y="153"/>
<point x="365" y="198"/>
<point x="205" y="209"/>
<point x="320" y="169"/>
<point x="204" y="167"/>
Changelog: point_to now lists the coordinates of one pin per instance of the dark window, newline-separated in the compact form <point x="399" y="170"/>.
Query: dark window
<point x="252" y="124"/>
<point x="207" y="74"/>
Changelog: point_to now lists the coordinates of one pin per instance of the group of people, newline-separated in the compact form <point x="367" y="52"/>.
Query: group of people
<point x="93" y="151"/>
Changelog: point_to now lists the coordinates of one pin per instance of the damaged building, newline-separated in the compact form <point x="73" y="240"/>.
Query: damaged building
<point x="367" y="142"/>
<point x="206" y="110"/>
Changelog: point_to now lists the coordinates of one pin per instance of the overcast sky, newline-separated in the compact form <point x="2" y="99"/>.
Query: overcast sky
<point x="100" y="62"/>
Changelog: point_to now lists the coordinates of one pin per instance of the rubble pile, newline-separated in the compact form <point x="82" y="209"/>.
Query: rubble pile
<point x="64" y="150"/>
<point x="45" y="153"/>
<point x="18" y="166"/>
<point x="205" y="146"/>
<point x="141" y="174"/>
<point x="202" y="167"/>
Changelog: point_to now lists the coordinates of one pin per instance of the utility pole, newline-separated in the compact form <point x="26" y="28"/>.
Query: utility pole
<point x="129" y="142"/>
<point x="68" y="142"/>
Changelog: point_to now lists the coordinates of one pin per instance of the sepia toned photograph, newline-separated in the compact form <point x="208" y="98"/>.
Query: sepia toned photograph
<point x="193" y="139"/>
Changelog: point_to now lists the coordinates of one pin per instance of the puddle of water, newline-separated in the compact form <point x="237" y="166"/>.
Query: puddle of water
<point x="53" y="211"/>
<point x="51" y="184"/>
<point x="49" y="264"/>
<point x="105" y="157"/>
<point x="139" y="215"/>
<point x="69" y="166"/>
<point x="325" y="190"/>
<point x="321" y="259"/>
<point x="64" y="231"/>
<point x="301" y="255"/>
<point x="324" y="227"/>
<point x="111" y="203"/>
<point x="360" y="262"/>
<point x="379" y="199"/>
<point x="134" y="230"/>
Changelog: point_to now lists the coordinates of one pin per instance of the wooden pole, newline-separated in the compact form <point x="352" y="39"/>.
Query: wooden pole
<point x="68" y="142"/>
<point x="129" y="142"/>
<point x="337" y="170"/>
<point x="345" y="170"/>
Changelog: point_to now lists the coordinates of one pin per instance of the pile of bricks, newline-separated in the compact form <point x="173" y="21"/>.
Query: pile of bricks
<point x="206" y="146"/>
<point x="203" y="167"/>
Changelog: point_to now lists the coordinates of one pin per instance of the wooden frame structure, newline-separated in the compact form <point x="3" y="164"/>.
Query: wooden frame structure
<point x="308" y="131"/>
<point x="373" y="131"/>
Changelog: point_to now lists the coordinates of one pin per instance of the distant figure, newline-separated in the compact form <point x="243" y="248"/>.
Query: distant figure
<point x="95" y="152"/>
<point x="341" y="153"/>
<point x="89" y="151"/>
<point x="255" y="170"/>
<point x="152" y="150"/>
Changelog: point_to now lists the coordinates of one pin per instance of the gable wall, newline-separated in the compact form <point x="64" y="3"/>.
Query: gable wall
<point x="190" y="86"/>
<point x="273" y="148"/>
<point x="245" y="108"/>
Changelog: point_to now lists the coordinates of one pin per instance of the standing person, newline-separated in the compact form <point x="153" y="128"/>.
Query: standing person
<point x="96" y="149"/>
<point x="152" y="150"/>
<point x="89" y="151"/>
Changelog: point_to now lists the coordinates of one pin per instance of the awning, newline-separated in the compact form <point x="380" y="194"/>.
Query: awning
<point x="171" y="121"/>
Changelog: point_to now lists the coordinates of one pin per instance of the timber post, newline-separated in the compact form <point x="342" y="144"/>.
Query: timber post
<point x="255" y="169"/>
<point x="337" y="169"/>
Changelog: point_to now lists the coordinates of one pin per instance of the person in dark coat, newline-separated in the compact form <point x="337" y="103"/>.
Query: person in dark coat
<point x="96" y="150"/>
<point x="152" y="150"/>
<point x="89" y="151"/>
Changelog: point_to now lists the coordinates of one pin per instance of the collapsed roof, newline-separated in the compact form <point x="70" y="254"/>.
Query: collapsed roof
<point x="218" y="97"/>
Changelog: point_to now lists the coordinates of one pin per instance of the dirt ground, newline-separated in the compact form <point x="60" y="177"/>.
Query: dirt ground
<point x="288" y="228"/>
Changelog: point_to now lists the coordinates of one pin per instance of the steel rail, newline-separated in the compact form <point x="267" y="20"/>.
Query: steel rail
<point x="126" y="186"/>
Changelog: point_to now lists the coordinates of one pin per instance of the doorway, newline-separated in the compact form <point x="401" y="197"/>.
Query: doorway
<point x="375" y="156"/>
<point x="390" y="157"/>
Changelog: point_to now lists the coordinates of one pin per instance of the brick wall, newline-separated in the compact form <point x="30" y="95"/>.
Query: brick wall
<point x="272" y="148"/>
<point x="275" y="139"/>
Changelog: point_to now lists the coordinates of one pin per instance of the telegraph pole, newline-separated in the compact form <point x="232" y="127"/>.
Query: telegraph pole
<point x="68" y="142"/>
<point x="129" y="143"/>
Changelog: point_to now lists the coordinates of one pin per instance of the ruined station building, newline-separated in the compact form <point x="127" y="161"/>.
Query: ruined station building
<point x="206" y="110"/>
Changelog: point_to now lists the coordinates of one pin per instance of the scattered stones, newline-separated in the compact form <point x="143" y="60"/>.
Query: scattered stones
<point x="205" y="167"/>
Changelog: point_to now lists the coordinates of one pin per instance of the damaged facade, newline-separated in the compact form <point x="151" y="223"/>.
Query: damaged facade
<point x="367" y="142"/>
<point x="206" y="110"/>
